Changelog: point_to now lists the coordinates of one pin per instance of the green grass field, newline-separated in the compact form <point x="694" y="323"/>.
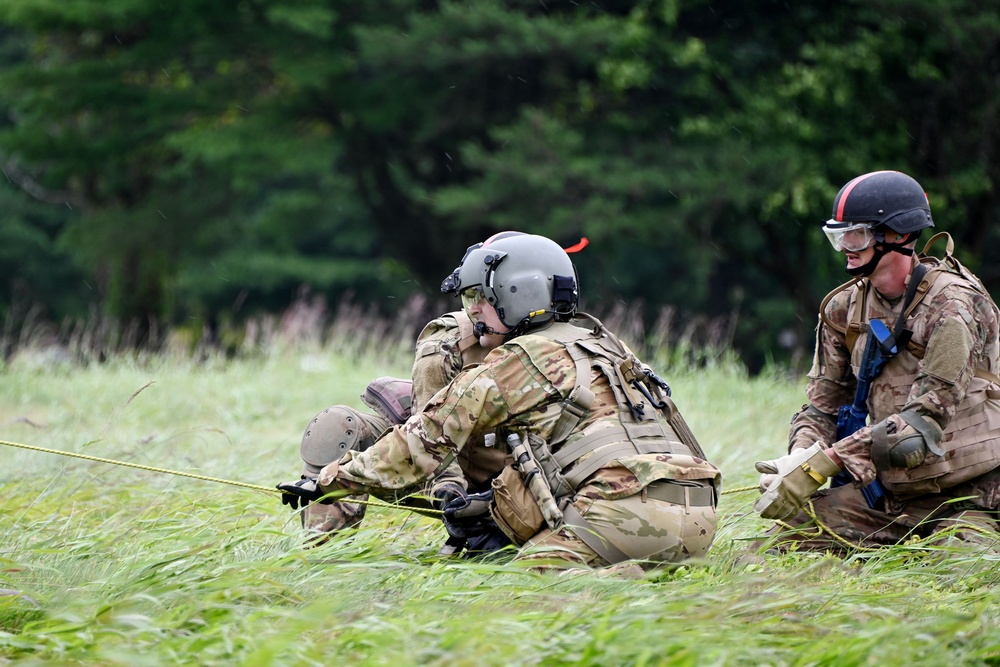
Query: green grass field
<point x="130" y="567"/>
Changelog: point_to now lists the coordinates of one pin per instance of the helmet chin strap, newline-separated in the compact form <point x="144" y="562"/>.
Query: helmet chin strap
<point x="881" y="250"/>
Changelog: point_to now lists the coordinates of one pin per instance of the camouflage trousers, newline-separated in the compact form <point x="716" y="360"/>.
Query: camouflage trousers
<point x="329" y="519"/>
<point x="844" y="512"/>
<point x="638" y="527"/>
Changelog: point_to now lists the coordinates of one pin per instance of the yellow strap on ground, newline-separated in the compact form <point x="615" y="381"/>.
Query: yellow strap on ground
<point x="256" y="487"/>
<point x="823" y="529"/>
<point x="740" y="489"/>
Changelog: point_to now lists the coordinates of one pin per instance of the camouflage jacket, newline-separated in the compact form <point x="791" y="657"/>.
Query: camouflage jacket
<point x="444" y="347"/>
<point x="519" y="386"/>
<point x="942" y="374"/>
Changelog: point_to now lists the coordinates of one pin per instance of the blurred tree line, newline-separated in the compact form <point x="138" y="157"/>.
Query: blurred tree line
<point x="195" y="160"/>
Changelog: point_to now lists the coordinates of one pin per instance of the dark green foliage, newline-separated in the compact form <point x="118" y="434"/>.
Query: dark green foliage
<point x="217" y="157"/>
<point x="38" y="276"/>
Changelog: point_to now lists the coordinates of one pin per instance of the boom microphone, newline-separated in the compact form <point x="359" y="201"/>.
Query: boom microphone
<point x="481" y="329"/>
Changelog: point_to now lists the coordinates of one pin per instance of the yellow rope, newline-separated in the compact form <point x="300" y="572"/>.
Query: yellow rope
<point x="822" y="528"/>
<point x="269" y="489"/>
<point x="740" y="489"/>
<point x="256" y="487"/>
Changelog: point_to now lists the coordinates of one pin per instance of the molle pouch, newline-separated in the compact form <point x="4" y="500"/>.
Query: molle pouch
<point x="390" y="398"/>
<point x="514" y="508"/>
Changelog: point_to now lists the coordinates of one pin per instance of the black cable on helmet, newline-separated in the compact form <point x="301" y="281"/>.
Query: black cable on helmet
<point x="524" y="326"/>
<point x="519" y="329"/>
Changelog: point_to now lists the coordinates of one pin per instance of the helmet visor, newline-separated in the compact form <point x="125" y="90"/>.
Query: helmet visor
<point x="472" y="296"/>
<point x="849" y="236"/>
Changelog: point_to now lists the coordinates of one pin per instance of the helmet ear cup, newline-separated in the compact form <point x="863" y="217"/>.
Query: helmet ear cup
<point x="517" y="292"/>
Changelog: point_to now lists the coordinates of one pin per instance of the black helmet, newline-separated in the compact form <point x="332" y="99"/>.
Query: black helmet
<point x="871" y="204"/>
<point x="888" y="198"/>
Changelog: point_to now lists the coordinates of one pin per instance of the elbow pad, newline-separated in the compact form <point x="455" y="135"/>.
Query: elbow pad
<point x="908" y="447"/>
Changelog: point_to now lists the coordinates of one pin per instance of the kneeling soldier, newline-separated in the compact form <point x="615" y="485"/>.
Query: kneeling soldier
<point x="607" y="469"/>
<point x="928" y="463"/>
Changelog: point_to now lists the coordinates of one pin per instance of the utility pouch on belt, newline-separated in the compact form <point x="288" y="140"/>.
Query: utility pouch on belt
<point x="514" y="509"/>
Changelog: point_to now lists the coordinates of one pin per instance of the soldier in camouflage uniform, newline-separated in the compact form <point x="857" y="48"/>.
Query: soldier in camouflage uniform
<point x="934" y="428"/>
<point x="444" y="346"/>
<point x="608" y="470"/>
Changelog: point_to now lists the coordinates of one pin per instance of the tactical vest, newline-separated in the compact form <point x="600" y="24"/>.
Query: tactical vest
<point x="649" y="422"/>
<point x="972" y="438"/>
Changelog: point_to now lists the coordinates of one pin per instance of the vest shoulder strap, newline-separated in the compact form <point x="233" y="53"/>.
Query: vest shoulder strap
<point x="577" y="404"/>
<point x="931" y="283"/>
<point x="855" y="283"/>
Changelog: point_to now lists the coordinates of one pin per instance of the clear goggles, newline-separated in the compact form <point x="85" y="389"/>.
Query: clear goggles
<point x="849" y="236"/>
<point x="472" y="296"/>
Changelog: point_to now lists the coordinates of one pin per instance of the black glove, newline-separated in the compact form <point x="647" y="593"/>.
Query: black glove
<point x="469" y="515"/>
<point x="446" y="493"/>
<point x="300" y="492"/>
<point x="486" y="543"/>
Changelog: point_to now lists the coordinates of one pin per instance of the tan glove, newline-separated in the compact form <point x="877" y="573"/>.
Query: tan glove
<point x="789" y="481"/>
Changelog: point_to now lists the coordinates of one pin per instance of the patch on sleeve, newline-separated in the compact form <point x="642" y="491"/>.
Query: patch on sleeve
<point x="429" y="348"/>
<point x="948" y="350"/>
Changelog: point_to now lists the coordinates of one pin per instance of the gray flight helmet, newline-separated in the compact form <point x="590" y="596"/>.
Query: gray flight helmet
<point x="529" y="279"/>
